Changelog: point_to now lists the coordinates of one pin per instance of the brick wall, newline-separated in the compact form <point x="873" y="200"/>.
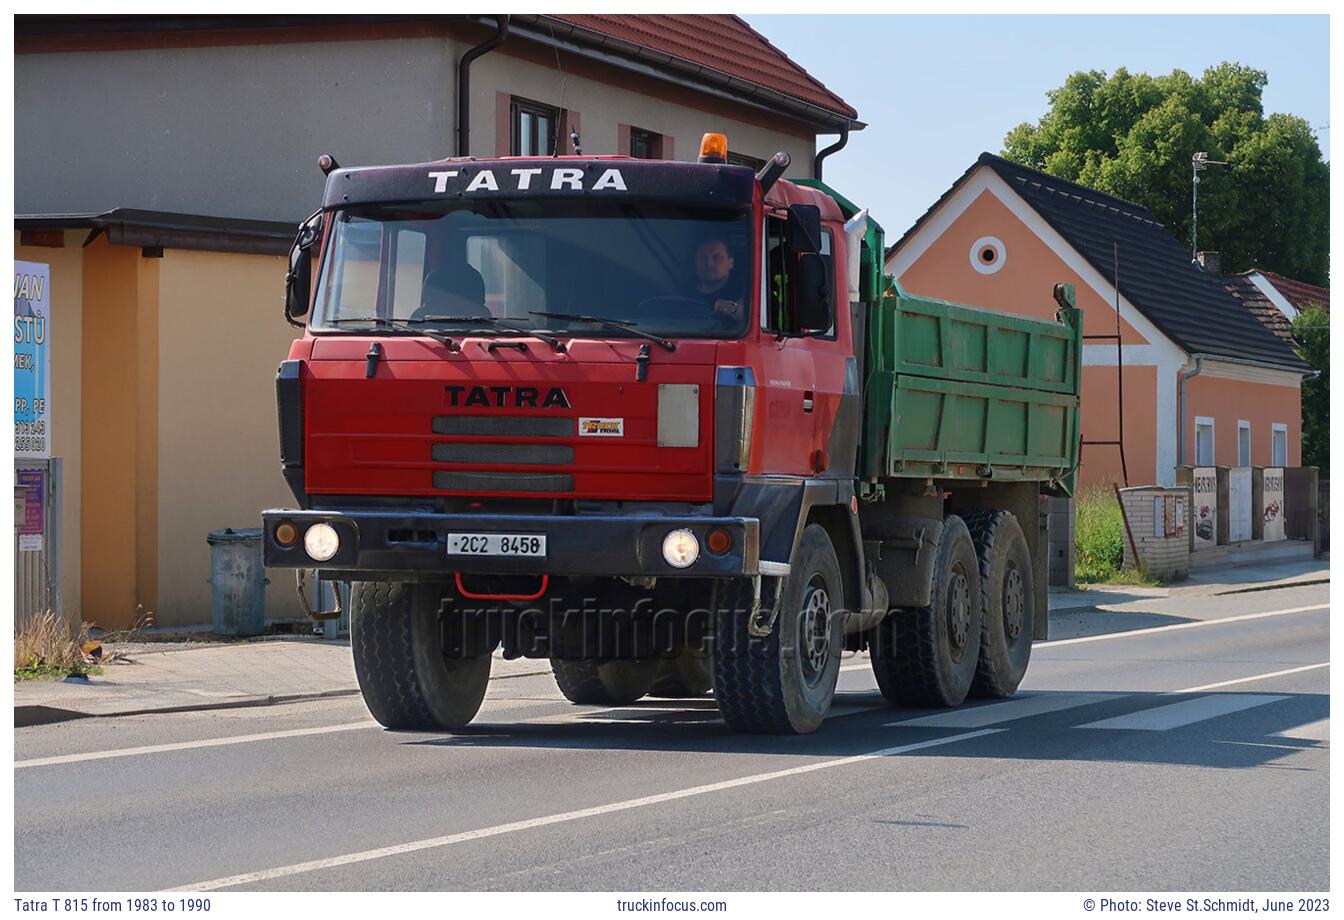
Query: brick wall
<point x="1163" y="549"/>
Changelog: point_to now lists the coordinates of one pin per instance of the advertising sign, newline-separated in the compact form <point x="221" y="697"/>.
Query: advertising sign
<point x="1273" y="504"/>
<point x="32" y="360"/>
<point x="1205" y="512"/>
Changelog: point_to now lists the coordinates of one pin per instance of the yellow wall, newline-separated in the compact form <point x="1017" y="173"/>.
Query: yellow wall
<point x="117" y="430"/>
<point x="221" y="337"/>
<point x="67" y="308"/>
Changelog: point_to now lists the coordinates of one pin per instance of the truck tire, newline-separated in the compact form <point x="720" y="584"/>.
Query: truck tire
<point x="686" y="676"/>
<point x="406" y="679"/>
<point x="595" y="681"/>
<point x="1009" y="600"/>
<point x="926" y="656"/>
<point x="782" y="683"/>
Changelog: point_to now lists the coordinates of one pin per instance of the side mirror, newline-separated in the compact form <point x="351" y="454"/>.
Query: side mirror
<point x="802" y="228"/>
<point x="299" y="278"/>
<point x="813" y="294"/>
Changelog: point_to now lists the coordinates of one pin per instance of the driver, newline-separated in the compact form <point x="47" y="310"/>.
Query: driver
<point x="715" y="280"/>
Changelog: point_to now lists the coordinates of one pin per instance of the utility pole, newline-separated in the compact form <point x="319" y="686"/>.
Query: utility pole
<point x="1197" y="164"/>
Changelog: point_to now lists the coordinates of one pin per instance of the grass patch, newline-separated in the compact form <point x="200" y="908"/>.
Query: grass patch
<point x="1099" y="542"/>
<point x="46" y="647"/>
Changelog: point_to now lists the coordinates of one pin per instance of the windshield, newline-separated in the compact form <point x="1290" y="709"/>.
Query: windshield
<point x="669" y="271"/>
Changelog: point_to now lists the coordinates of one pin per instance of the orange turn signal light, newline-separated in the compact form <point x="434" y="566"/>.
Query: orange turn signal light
<point x="286" y="534"/>
<point x="719" y="541"/>
<point x="714" y="148"/>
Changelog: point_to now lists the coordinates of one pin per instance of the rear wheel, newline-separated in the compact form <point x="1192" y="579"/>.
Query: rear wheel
<point x="594" y="681"/>
<point x="783" y="682"/>
<point x="1009" y="601"/>
<point x="688" y="675"/>
<point x="407" y="680"/>
<point x="926" y="656"/>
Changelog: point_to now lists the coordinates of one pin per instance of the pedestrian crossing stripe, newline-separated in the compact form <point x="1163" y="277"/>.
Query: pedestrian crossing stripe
<point x="1186" y="712"/>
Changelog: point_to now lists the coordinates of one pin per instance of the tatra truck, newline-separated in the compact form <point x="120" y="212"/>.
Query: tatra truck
<point x="667" y="425"/>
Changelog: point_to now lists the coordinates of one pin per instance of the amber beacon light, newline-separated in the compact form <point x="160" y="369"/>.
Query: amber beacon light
<point x="714" y="148"/>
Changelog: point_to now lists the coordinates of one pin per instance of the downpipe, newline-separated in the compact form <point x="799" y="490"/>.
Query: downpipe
<point x="464" y="83"/>
<point x="1185" y="378"/>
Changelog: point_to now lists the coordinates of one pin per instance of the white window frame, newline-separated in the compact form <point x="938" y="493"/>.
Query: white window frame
<point x="1213" y="441"/>
<point x="1275" y="429"/>
<point x="1244" y="425"/>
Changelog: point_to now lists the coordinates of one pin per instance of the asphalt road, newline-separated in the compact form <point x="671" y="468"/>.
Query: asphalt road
<point x="1133" y="758"/>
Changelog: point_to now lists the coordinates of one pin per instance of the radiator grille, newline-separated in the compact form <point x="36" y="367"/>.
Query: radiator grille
<point x="502" y="482"/>
<point x="511" y="426"/>
<point x="555" y="454"/>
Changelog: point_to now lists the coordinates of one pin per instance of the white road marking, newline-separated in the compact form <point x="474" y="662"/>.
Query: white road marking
<point x="1312" y="731"/>
<point x="563" y="817"/>
<point x="995" y="713"/>
<point x="1244" y="680"/>
<point x="189" y="745"/>
<point x="1192" y="624"/>
<point x="1186" y="712"/>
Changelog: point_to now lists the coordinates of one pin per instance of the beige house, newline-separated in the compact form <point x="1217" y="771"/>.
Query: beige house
<point x="162" y="165"/>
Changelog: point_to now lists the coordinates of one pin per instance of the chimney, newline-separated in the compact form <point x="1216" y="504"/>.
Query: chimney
<point x="1210" y="262"/>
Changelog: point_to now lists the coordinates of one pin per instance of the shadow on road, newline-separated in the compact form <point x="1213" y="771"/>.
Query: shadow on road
<point x="1245" y="730"/>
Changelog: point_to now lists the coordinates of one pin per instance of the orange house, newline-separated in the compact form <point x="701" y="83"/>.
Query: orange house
<point x="1194" y="377"/>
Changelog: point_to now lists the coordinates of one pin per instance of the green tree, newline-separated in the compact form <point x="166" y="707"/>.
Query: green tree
<point x="1311" y="328"/>
<point x="1132" y="136"/>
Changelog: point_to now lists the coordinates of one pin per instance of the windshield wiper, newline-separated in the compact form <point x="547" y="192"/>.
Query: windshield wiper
<point x="399" y="327"/>
<point x="495" y="323"/>
<point x="614" y="323"/>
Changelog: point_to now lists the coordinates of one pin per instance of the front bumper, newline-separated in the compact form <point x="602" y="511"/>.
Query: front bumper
<point x="411" y="545"/>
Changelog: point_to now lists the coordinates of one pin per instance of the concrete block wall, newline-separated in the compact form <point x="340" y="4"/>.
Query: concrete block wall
<point x="1061" y="514"/>
<point x="1161" y="553"/>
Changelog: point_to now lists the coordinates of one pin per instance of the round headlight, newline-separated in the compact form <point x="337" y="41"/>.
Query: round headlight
<point x="321" y="542"/>
<point x="681" y="548"/>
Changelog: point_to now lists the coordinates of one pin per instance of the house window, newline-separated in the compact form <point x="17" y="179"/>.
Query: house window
<point x="533" y="128"/>
<point x="1243" y="443"/>
<point x="1280" y="444"/>
<point x="1203" y="441"/>
<point x="645" y="145"/>
<point x="741" y="159"/>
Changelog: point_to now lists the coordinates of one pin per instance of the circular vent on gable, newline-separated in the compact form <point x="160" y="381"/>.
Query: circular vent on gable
<point x="988" y="255"/>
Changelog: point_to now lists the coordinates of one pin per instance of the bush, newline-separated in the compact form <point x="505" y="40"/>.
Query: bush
<point x="1099" y="536"/>
<point x="47" y="646"/>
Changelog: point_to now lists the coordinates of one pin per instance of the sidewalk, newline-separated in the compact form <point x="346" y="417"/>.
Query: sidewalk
<point x="164" y="677"/>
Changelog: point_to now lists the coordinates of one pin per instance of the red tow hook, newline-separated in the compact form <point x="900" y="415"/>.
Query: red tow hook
<point x="457" y="579"/>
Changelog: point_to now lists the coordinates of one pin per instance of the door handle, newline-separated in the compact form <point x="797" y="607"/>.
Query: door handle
<point x="807" y="400"/>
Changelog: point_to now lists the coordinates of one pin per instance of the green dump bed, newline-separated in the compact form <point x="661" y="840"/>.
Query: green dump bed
<point x="955" y="392"/>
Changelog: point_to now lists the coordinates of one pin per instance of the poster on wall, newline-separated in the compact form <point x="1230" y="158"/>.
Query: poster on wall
<point x="32" y="360"/>
<point x="1273" y="504"/>
<point x="1205" y="513"/>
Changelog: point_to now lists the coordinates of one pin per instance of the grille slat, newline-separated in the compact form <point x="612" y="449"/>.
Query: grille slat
<point x="502" y="482"/>
<point x="508" y="426"/>
<point x="556" y="454"/>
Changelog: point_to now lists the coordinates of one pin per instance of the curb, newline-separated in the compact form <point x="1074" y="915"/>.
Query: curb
<point x="38" y="714"/>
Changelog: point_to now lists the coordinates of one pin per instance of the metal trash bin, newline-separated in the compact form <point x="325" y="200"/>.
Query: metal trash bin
<point x="237" y="582"/>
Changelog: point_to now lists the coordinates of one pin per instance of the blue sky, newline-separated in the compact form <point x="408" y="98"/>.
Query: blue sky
<point x="937" y="90"/>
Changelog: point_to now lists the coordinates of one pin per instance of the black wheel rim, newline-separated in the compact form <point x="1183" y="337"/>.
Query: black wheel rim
<point x="814" y="629"/>
<point x="1014" y="602"/>
<point x="958" y="612"/>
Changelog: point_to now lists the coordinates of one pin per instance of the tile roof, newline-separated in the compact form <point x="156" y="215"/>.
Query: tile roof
<point x="1190" y="307"/>
<point x="1260" y="306"/>
<point x="723" y="43"/>
<point x="1297" y="293"/>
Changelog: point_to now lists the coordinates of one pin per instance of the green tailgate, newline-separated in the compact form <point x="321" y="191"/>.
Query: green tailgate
<point x="955" y="392"/>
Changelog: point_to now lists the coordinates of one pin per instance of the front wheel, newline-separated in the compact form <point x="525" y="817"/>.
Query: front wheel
<point x="783" y="682"/>
<point x="407" y="679"/>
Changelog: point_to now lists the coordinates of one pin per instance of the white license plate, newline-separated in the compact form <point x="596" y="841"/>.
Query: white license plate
<point x="496" y="544"/>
